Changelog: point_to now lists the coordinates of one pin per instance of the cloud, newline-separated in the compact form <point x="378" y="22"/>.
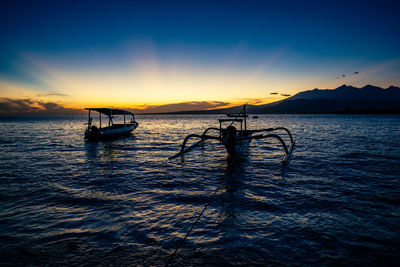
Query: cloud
<point x="29" y="106"/>
<point x="256" y="100"/>
<point x="52" y="94"/>
<point x="183" y="106"/>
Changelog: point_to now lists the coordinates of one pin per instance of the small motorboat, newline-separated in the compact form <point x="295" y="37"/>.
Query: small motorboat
<point x="111" y="129"/>
<point x="235" y="140"/>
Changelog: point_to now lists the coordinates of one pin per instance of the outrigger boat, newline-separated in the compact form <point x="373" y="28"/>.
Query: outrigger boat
<point x="112" y="129"/>
<point x="236" y="140"/>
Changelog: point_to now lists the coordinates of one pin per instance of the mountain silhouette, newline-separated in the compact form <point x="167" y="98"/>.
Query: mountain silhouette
<point x="345" y="92"/>
<point x="344" y="99"/>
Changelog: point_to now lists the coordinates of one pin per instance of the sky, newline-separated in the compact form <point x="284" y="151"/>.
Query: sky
<point x="58" y="57"/>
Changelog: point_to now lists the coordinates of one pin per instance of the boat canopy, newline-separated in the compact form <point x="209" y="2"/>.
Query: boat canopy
<point x="111" y="111"/>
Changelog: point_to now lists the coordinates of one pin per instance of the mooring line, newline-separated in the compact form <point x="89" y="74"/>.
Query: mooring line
<point x="194" y="223"/>
<point x="230" y="168"/>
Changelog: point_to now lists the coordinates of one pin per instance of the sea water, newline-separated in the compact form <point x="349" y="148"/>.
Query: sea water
<point x="122" y="202"/>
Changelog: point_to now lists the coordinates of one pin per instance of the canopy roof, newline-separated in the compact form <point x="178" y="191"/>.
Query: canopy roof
<point x="111" y="111"/>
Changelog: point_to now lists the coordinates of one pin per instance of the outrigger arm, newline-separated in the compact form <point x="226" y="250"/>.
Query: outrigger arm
<point x="203" y="138"/>
<point x="275" y="129"/>
<point x="233" y="139"/>
<point x="288" y="149"/>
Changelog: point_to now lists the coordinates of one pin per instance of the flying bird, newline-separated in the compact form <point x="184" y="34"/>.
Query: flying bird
<point x="285" y="94"/>
<point x="344" y="75"/>
<point x="274" y="93"/>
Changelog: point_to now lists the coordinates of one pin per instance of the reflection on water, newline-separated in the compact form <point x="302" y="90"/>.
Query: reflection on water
<point x="122" y="202"/>
<point x="106" y="150"/>
<point x="92" y="150"/>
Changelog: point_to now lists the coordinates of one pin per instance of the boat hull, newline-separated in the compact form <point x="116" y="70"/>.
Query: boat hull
<point x="242" y="141"/>
<point x="110" y="132"/>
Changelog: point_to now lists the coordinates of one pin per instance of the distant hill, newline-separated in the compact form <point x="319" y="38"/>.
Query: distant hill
<point x="345" y="92"/>
<point x="344" y="99"/>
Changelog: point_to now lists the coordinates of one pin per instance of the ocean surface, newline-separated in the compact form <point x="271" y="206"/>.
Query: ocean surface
<point x="64" y="201"/>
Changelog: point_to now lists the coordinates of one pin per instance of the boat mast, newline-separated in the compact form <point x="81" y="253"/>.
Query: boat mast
<point x="89" y="120"/>
<point x="244" y="115"/>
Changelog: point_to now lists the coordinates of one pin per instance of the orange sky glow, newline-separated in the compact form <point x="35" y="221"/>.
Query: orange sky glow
<point x="147" y="85"/>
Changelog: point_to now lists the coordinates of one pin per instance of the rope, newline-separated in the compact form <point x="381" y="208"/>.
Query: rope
<point x="193" y="224"/>
<point x="205" y="207"/>
<point x="238" y="114"/>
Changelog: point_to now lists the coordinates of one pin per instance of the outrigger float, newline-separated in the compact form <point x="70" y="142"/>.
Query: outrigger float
<point x="236" y="140"/>
<point x="112" y="129"/>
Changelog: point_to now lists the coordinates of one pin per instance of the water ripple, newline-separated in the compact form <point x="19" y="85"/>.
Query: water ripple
<point x="122" y="202"/>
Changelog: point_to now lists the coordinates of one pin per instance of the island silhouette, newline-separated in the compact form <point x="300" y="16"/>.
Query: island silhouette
<point x="344" y="99"/>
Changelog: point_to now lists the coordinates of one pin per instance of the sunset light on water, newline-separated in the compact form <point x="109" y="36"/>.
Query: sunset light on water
<point x="199" y="133"/>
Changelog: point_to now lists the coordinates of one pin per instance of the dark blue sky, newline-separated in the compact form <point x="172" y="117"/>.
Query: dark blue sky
<point x="312" y="35"/>
<point x="320" y="27"/>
